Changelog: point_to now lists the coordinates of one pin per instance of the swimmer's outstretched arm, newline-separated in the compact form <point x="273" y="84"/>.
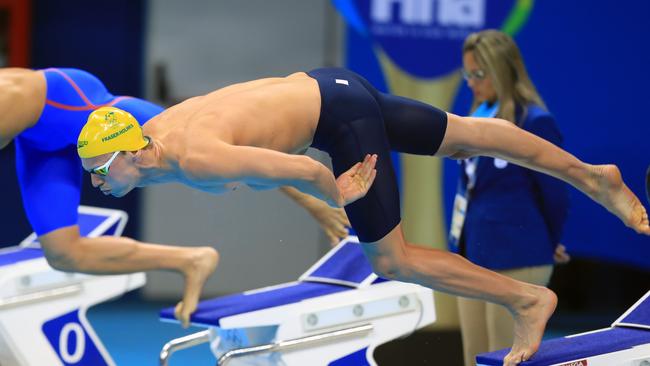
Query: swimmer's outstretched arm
<point x="467" y="136"/>
<point x="222" y="163"/>
<point x="66" y="250"/>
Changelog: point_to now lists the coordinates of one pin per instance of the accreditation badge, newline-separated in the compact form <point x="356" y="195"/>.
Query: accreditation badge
<point x="457" y="219"/>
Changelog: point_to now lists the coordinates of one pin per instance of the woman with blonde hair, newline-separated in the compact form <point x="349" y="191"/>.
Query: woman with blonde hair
<point x="506" y="218"/>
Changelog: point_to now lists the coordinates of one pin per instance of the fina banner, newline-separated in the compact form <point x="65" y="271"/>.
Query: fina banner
<point x="425" y="37"/>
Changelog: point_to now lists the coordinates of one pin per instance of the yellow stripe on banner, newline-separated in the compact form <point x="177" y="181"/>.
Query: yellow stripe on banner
<point x="423" y="218"/>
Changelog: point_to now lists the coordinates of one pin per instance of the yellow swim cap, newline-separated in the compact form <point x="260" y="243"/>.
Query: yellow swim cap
<point x="107" y="130"/>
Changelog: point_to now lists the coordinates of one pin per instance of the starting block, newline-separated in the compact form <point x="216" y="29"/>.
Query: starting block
<point x="336" y="314"/>
<point x="43" y="311"/>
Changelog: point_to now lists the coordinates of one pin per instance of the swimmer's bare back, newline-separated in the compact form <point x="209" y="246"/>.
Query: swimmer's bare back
<point x="279" y="114"/>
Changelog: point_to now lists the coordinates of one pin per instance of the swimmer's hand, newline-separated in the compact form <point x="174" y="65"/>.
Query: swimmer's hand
<point x="561" y="256"/>
<point x="200" y="264"/>
<point x="356" y="182"/>
<point x="333" y="221"/>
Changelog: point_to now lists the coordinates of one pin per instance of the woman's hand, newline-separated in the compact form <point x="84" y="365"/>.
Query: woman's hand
<point x="561" y="256"/>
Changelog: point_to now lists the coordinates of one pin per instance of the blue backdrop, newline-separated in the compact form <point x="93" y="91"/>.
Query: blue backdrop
<point x="105" y="38"/>
<point x="589" y="62"/>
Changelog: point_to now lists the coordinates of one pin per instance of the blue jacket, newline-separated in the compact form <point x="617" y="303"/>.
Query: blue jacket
<point x="515" y="216"/>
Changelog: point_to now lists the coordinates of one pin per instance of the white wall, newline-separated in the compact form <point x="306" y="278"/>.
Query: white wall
<point x="264" y="238"/>
<point x="209" y="44"/>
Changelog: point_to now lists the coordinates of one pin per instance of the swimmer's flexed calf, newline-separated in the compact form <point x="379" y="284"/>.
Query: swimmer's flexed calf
<point x="255" y="133"/>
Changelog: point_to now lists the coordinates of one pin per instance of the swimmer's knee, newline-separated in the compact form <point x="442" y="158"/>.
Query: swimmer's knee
<point x="391" y="267"/>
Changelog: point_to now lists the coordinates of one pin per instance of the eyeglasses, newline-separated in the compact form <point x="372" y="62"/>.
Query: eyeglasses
<point x="103" y="169"/>
<point x="476" y="74"/>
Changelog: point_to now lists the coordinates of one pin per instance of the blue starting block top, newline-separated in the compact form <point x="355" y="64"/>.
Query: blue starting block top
<point x="565" y="349"/>
<point x="211" y="312"/>
<point x="638" y="316"/>
<point x="344" y="268"/>
<point x="344" y="265"/>
<point x="92" y="222"/>
<point x="630" y="330"/>
<point x="14" y="255"/>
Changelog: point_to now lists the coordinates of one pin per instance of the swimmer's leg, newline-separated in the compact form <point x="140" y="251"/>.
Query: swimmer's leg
<point x="531" y="306"/>
<point x="466" y="136"/>
<point x="376" y="218"/>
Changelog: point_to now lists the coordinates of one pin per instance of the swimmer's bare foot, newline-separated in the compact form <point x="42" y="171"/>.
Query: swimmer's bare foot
<point x="530" y="317"/>
<point x="611" y="192"/>
<point x="201" y="263"/>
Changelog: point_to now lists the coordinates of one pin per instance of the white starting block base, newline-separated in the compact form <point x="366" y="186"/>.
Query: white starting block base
<point x="43" y="311"/>
<point x="625" y="343"/>
<point x="336" y="314"/>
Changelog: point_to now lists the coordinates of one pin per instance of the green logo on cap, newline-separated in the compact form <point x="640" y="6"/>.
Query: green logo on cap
<point x="110" y="118"/>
